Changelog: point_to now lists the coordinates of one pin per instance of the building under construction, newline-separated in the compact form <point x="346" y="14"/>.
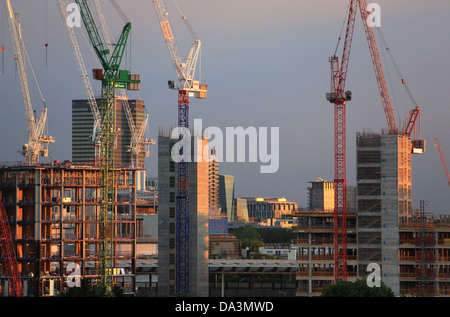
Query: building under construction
<point x="53" y="212"/>
<point x="422" y="257"/>
<point x="411" y="249"/>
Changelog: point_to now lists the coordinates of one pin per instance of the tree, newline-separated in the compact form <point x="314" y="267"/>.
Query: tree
<point x="249" y="238"/>
<point x="276" y="235"/>
<point x="359" y="288"/>
<point x="247" y="231"/>
<point x="87" y="289"/>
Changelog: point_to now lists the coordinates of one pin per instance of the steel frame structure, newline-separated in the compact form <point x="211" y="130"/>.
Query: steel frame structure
<point x="9" y="254"/>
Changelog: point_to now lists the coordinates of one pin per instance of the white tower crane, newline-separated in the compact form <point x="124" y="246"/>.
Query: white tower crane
<point x="63" y="4"/>
<point x="187" y="86"/>
<point x="37" y="141"/>
<point x="184" y="68"/>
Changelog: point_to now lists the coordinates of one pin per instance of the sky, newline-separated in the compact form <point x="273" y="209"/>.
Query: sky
<point x="266" y="65"/>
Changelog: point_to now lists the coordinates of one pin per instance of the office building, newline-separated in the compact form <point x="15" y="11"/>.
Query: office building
<point x="264" y="208"/>
<point x="226" y="196"/>
<point x="83" y="149"/>
<point x="321" y="196"/>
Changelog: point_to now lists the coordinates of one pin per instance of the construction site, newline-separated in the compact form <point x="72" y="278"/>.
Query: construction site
<point x="94" y="216"/>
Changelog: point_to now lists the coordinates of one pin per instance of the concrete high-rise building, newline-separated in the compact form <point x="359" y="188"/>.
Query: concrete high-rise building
<point x="352" y="198"/>
<point x="226" y="196"/>
<point x="83" y="149"/>
<point x="198" y="184"/>
<point x="321" y="195"/>
<point x="384" y="198"/>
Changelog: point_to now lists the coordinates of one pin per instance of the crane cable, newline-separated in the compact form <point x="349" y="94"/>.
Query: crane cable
<point x="46" y="31"/>
<point x="185" y="20"/>
<point x="34" y="75"/>
<point x="2" y="36"/>
<point x="194" y="37"/>
<point x="119" y="10"/>
<point x="396" y="68"/>
<point x="384" y="48"/>
<point x="342" y="28"/>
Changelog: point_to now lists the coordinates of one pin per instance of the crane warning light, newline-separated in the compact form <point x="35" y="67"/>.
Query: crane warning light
<point x="165" y="26"/>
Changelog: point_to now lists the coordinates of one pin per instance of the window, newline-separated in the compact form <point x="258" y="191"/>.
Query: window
<point x="172" y="197"/>
<point x="172" y="182"/>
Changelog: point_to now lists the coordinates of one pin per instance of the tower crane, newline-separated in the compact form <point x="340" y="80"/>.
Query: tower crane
<point x="138" y="144"/>
<point x="338" y="97"/>
<point x="111" y="77"/>
<point x="444" y="164"/>
<point x="62" y="5"/>
<point x="187" y="86"/>
<point x="37" y="144"/>
<point x="9" y="254"/>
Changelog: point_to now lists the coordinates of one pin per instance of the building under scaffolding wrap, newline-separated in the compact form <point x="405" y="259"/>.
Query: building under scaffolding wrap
<point x="53" y="212"/>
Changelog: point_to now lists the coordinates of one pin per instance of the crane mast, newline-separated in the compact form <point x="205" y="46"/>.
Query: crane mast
<point x="338" y="97"/>
<point x="37" y="141"/>
<point x="187" y="86"/>
<point x="111" y="77"/>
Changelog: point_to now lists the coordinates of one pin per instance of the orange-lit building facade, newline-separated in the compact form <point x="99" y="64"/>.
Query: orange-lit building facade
<point x="53" y="213"/>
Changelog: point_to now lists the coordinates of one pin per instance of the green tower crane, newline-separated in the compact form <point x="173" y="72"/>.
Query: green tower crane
<point x="112" y="77"/>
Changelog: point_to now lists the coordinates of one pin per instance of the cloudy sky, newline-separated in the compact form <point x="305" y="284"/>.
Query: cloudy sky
<point x="266" y="64"/>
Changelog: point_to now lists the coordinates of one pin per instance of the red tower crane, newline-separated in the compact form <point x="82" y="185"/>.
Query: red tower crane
<point x="339" y="96"/>
<point x="9" y="255"/>
<point x="444" y="164"/>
